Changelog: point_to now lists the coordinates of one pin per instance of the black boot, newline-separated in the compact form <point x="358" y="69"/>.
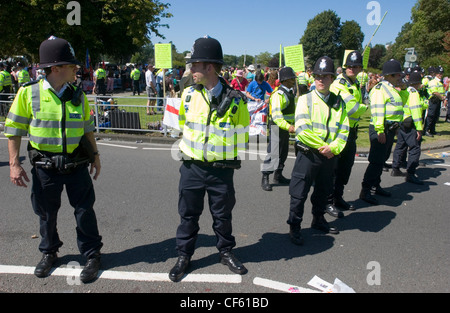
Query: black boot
<point x="332" y="210"/>
<point x="366" y="195"/>
<point x="228" y="258"/>
<point x="278" y="178"/>
<point x="342" y="204"/>
<point x="320" y="223"/>
<point x="295" y="235"/>
<point x="411" y="178"/>
<point x="265" y="183"/>
<point x="90" y="270"/>
<point x="381" y="192"/>
<point x="396" y="172"/>
<point x="177" y="272"/>
<point x="44" y="267"/>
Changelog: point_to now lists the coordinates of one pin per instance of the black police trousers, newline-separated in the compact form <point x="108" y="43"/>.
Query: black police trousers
<point x="344" y="165"/>
<point x="434" y="110"/>
<point x="277" y="150"/>
<point x="310" y="167"/>
<point x="407" y="141"/>
<point x="46" y="193"/>
<point x="195" y="181"/>
<point x="378" y="155"/>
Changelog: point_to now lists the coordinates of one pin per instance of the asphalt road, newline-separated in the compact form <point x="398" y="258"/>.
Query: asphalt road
<point x="401" y="245"/>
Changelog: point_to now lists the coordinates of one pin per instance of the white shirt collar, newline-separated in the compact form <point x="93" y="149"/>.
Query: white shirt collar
<point x="46" y="85"/>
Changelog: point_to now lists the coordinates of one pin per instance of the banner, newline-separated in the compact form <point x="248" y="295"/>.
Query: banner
<point x="171" y="113"/>
<point x="366" y="58"/>
<point x="163" y="55"/>
<point x="258" y="117"/>
<point x="346" y="53"/>
<point x="293" y="57"/>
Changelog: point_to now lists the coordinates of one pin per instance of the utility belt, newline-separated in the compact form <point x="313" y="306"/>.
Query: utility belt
<point x="63" y="163"/>
<point x="233" y="164"/>
<point x="391" y="125"/>
<point x="301" y="147"/>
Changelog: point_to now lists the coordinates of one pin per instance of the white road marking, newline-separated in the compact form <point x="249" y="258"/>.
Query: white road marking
<point x="281" y="286"/>
<point x="122" y="275"/>
<point x="113" y="145"/>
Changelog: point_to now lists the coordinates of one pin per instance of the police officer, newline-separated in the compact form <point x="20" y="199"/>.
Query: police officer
<point x="135" y="76"/>
<point x="410" y="132"/>
<point x="5" y="88"/>
<point x="99" y="80"/>
<point x="56" y="117"/>
<point x="23" y="76"/>
<point x="347" y="86"/>
<point x="281" y="124"/>
<point x="214" y="120"/>
<point x="322" y="130"/>
<point x="436" y="92"/>
<point x="387" y="114"/>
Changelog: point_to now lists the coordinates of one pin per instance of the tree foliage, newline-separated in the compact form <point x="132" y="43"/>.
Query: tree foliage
<point x="115" y="27"/>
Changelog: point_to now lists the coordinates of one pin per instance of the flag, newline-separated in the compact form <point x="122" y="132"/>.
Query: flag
<point x="258" y="117"/>
<point x="171" y="113"/>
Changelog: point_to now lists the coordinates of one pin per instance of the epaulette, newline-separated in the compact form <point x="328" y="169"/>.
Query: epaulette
<point x="378" y="86"/>
<point x="342" y="81"/>
<point x="30" y="83"/>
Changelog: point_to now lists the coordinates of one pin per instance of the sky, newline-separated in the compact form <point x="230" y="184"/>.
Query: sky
<point x="252" y="27"/>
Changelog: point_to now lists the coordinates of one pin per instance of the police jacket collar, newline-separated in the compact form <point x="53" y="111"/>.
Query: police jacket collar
<point x="46" y="85"/>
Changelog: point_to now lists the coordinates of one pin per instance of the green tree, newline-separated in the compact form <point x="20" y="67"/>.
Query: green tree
<point x="113" y="27"/>
<point x="351" y="38"/>
<point x="321" y="36"/>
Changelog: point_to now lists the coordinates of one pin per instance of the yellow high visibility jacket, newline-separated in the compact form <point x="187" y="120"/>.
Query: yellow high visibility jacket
<point x="435" y="85"/>
<point x="135" y="74"/>
<point x="385" y="105"/>
<point x="282" y="107"/>
<point x="413" y="108"/>
<point x="351" y="94"/>
<point x="207" y="137"/>
<point x="100" y="73"/>
<point x="23" y="77"/>
<point x="318" y="124"/>
<point x="53" y="126"/>
<point x="5" y="79"/>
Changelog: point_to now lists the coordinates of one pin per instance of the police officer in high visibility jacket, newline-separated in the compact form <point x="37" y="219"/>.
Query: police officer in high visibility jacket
<point x="214" y="120"/>
<point x="56" y="117"/>
<point x="23" y="76"/>
<point x="100" y="80"/>
<point x="410" y="132"/>
<point x="347" y="86"/>
<point x="135" y="75"/>
<point x="436" y="92"/>
<point x="281" y="124"/>
<point x="386" y="107"/>
<point x="5" y="88"/>
<point x="322" y="130"/>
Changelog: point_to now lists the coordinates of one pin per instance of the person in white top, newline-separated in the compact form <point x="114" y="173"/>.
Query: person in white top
<point x="151" y="89"/>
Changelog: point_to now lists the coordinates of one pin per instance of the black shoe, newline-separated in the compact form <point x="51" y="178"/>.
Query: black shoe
<point x="434" y="133"/>
<point x="396" y="172"/>
<point x="428" y="134"/>
<point x="386" y="167"/>
<point x="227" y="258"/>
<point x="90" y="270"/>
<point x="447" y="120"/>
<point x="44" y="267"/>
<point x="411" y="178"/>
<point x="295" y="235"/>
<point x="342" y="204"/>
<point x="333" y="211"/>
<point x="265" y="185"/>
<point x="278" y="178"/>
<point x="381" y="192"/>
<point x="177" y="272"/>
<point x="366" y="195"/>
<point x="320" y="223"/>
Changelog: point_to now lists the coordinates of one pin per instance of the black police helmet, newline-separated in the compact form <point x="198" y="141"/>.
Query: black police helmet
<point x="286" y="73"/>
<point x="392" y="67"/>
<point x="354" y="58"/>
<point x="324" y="66"/>
<point x="415" y="78"/>
<point x="206" y="49"/>
<point x="56" y="51"/>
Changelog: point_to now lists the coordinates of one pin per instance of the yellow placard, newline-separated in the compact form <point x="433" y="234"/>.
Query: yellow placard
<point x="366" y="58"/>
<point x="293" y="57"/>
<point x="163" y="55"/>
<point x="346" y="53"/>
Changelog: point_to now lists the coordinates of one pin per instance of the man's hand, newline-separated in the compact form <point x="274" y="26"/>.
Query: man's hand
<point x="291" y="129"/>
<point x="326" y="151"/>
<point x="97" y="166"/>
<point x="18" y="175"/>
<point x="382" y="138"/>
